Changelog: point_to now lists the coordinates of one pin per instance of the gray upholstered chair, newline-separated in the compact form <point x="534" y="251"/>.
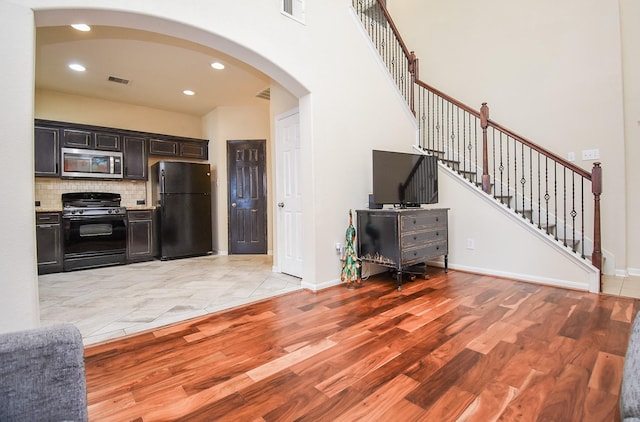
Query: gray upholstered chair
<point x="42" y="375"/>
<point x="630" y="391"/>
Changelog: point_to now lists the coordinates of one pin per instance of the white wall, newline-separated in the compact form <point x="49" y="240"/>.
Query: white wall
<point x="53" y="105"/>
<point x="502" y="245"/>
<point x="630" y="22"/>
<point x="18" y="276"/>
<point x="550" y="71"/>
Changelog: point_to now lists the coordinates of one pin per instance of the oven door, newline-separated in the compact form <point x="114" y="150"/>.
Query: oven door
<point x="94" y="241"/>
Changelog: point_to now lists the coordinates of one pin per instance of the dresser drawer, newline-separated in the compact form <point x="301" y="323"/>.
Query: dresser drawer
<point x="424" y="252"/>
<point x="431" y="235"/>
<point x="435" y="218"/>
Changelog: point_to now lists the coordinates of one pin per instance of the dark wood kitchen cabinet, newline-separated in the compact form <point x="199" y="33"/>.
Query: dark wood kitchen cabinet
<point x="136" y="156"/>
<point x="49" y="242"/>
<point x="91" y="139"/>
<point x="194" y="149"/>
<point x="164" y="147"/>
<point x="186" y="148"/>
<point x="140" y="241"/>
<point x="47" y="151"/>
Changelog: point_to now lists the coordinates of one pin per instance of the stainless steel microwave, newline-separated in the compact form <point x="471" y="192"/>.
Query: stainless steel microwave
<point x="85" y="163"/>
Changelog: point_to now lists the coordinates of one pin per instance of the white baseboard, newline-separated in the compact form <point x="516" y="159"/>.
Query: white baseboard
<point x="321" y="286"/>
<point x="634" y="272"/>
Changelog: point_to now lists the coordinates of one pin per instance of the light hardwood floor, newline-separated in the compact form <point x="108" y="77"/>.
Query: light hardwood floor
<point x="456" y="347"/>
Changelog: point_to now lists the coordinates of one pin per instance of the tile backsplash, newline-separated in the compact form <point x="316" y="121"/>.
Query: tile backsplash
<point x="49" y="191"/>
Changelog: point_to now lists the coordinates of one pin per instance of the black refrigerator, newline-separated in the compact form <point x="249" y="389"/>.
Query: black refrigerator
<point x="182" y="196"/>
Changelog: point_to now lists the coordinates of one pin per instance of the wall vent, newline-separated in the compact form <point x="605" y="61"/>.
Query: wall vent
<point x="119" y="80"/>
<point x="264" y="94"/>
<point x="293" y="9"/>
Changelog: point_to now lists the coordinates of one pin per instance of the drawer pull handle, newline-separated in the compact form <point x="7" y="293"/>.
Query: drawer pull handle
<point x="414" y="221"/>
<point x="415" y="237"/>
<point x="437" y="233"/>
<point x="437" y="219"/>
<point x="437" y="248"/>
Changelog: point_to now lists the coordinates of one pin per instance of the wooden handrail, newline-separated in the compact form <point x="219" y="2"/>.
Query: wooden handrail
<point x="394" y="28"/>
<point x="542" y="151"/>
<point x="450" y="99"/>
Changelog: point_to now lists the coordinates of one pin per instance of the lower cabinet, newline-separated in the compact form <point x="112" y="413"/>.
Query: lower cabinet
<point x="49" y="242"/>
<point x="140" y="242"/>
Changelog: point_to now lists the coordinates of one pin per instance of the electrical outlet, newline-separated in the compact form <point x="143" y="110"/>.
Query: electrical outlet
<point x="471" y="244"/>
<point x="590" y="154"/>
<point x="571" y="156"/>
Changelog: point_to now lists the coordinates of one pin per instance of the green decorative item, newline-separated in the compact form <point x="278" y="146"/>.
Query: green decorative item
<point x="350" y="264"/>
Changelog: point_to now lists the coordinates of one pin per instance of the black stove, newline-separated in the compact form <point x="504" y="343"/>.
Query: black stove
<point x="91" y="204"/>
<point x="94" y="227"/>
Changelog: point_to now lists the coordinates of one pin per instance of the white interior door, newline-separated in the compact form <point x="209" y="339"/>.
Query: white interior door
<point x="289" y="194"/>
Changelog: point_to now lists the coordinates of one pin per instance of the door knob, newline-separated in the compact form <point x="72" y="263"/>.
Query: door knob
<point x="281" y="204"/>
<point x="233" y="204"/>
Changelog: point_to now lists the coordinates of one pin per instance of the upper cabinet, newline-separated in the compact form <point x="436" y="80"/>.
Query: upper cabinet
<point x="90" y="139"/>
<point x="179" y="147"/>
<point x="194" y="149"/>
<point x="47" y="151"/>
<point x="136" y="158"/>
<point x="135" y="146"/>
<point x="164" y="147"/>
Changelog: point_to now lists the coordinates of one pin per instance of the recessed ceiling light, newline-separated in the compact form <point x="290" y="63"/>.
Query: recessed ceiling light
<point x="188" y="92"/>
<point x="81" y="27"/>
<point x="77" y="67"/>
<point x="217" y="65"/>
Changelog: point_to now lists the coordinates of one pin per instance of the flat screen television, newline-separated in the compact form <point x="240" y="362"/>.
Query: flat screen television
<point x="404" y="179"/>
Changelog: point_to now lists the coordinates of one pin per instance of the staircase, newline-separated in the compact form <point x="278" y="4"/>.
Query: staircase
<point x="542" y="188"/>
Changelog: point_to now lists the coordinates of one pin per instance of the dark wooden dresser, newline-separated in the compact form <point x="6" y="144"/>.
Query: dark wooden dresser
<point x="402" y="238"/>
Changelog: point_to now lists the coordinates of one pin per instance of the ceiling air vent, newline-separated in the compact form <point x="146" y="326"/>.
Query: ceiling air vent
<point x="264" y="94"/>
<point x="293" y="9"/>
<point x="119" y="80"/>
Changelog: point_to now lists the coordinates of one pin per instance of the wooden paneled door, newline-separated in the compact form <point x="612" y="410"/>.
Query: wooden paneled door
<point x="289" y="194"/>
<point x="246" y="169"/>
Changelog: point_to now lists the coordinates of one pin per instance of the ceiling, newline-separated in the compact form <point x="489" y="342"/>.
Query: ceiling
<point x="159" y="68"/>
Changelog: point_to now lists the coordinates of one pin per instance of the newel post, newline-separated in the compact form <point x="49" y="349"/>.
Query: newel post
<point x="596" y="188"/>
<point x="413" y="70"/>
<point x="484" y="123"/>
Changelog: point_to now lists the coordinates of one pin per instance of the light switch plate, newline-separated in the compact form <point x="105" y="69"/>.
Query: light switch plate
<point x="590" y="154"/>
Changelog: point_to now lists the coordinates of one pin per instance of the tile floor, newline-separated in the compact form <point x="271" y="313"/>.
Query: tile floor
<point x="111" y="302"/>
<point x="621" y="286"/>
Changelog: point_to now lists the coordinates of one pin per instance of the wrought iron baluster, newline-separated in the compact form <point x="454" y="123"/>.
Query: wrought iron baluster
<point x="573" y="211"/>
<point x="539" y="194"/>
<point x="582" y="215"/>
<point x="564" y="202"/>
